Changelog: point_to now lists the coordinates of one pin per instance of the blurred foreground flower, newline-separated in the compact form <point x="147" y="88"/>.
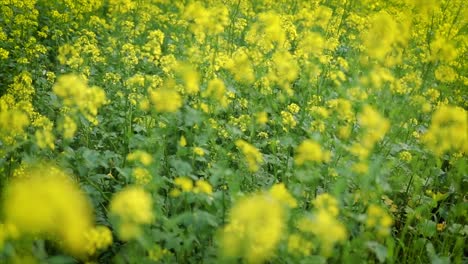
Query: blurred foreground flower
<point x="48" y="203"/>
<point x="256" y="225"/>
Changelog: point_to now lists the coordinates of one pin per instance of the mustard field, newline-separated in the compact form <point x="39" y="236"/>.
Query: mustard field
<point x="233" y="131"/>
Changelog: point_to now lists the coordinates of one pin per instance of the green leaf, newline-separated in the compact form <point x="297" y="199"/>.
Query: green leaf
<point x="61" y="260"/>
<point x="378" y="249"/>
<point x="181" y="167"/>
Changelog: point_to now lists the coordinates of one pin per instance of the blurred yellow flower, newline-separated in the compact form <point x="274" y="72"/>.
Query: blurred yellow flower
<point x="132" y="207"/>
<point x="198" y="151"/>
<point x="202" y="186"/>
<point x="279" y="192"/>
<point x="166" y="100"/>
<point x="378" y="220"/>
<point x="47" y="202"/>
<point x="448" y="130"/>
<point x="256" y="224"/>
<point x="252" y="154"/>
<point x="309" y="150"/>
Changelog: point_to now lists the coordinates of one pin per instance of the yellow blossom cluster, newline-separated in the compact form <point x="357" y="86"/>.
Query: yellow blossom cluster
<point x="185" y="184"/>
<point x="323" y="224"/>
<point x="378" y="220"/>
<point x="310" y="151"/>
<point x="98" y="238"/>
<point x="48" y="203"/>
<point x="252" y="155"/>
<point x="79" y="97"/>
<point x="132" y="208"/>
<point x="256" y="225"/>
<point x="448" y="130"/>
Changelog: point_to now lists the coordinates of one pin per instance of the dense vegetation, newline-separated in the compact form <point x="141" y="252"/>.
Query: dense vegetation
<point x="233" y="131"/>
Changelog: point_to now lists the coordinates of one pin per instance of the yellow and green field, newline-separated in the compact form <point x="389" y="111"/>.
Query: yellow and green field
<point x="233" y="131"/>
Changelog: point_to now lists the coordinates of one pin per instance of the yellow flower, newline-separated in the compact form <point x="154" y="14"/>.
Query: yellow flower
<point x="288" y="120"/>
<point x="405" y="156"/>
<point x="267" y="32"/>
<point x="191" y="79"/>
<point x="216" y="90"/>
<point x="293" y="108"/>
<point x="12" y="124"/>
<point x="361" y="167"/>
<point x="98" y="238"/>
<point x="384" y="32"/>
<point x="141" y="175"/>
<point x="374" y="125"/>
<point x="256" y="224"/>
<point x="48" y="202"/>
<point x="310" y="150"/>
<point x="379" y="220"/>
<point x="166" y="100"/>
<point x="133" y="208"/>
<point x="441" y="226"/>
<point x="76" y="94"/>
<point x="262" y="118"/>
<point x="448" y="130"/>
<point x="156" y="253"/>
<point x="327" y="202"/>
<point x="203" y="186"/>
<point x="198" y="151"/>
<point x="279" y="192"/>
<point x="184" y="183"/>
<point x="251" y="153"/>
<point x="241" y="67"/>
<point x="182" y="141"/>
<point x="299" y="245"/>
<point x="326" y="228"/>
<point x="142" y="156"/>
<point x="69" y="127"/>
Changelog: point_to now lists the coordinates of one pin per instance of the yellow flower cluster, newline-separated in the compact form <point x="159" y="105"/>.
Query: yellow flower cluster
<point x="79" y="97"/>
<point x="184" y="184"/>
<point x="448" y="131"/>
<point x="378" y="220"/>
<point x="17" y="112"/>
<point x="49" y="203"/>
<point x="267" y="33"/>
<point x="374" y="125"/>
<point x="405" y="156"/>
<point x="166" y="100"/>
<point x="256" y="225"/>
<point x="141" y="156"/>
<point x="373" y="129"/>
<point x="141" y="174"/>
<point x="98" y="238"/>
<point x="299" y="245"/>
<point x="240" y="66"/>
<point x="280" y="193"/>
<point x="217" y="90"/>
<point x="383" y="34"/>
<point x="288" y="120"/>
<point x="310" y="150"/>
<point x="252" y="155"/>
<point x="206" y="21"/>
<point x="12" y="124"/>
<point x="132" y="207"/>
<point x="156" y="253"/>
<point x="284" y="70"/>
<point x="324" y="225"/>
